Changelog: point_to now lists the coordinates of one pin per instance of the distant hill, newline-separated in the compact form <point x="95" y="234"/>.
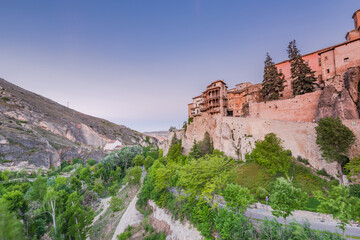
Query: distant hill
<point x="160" y="135"/>
<point x="38" y="132"/>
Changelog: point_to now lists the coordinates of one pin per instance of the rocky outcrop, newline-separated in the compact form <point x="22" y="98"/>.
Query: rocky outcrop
<point x="237" y="136"/>
<point x="344" y="103"/>
<point x="42" y="133"/>
<point x="162" y="220"/>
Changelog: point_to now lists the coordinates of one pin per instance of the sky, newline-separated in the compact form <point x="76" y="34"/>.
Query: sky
<point x="140" y="62"/>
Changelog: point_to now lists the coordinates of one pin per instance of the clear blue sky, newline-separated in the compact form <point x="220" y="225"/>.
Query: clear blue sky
<point x="139" y="63"/>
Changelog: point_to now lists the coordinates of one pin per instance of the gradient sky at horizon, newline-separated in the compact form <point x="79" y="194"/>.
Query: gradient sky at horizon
<point x="139" y="63"/>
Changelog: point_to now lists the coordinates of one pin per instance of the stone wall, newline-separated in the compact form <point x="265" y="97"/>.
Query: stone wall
<point x="237" y="136"/>
<point x="162" y="220"/>
<point x="302" y="108"/>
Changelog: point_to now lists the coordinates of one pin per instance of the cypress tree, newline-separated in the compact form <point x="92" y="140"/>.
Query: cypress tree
<point x="273" y="82"/>
<point x="303" y="78"/>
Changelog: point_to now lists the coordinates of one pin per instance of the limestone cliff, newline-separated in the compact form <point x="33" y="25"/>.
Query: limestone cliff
<point x="237" y="136"/>
<point x="38" y="132"/>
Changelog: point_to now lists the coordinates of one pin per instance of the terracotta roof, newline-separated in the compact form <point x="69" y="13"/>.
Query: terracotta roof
<point x="217" y="82"/>
<point x="197" y="96"/>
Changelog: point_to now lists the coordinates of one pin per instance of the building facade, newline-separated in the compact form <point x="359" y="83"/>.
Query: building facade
<point x="329" y="66"/>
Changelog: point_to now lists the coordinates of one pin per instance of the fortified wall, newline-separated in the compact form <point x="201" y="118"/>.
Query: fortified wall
<point x="237" y="136"/>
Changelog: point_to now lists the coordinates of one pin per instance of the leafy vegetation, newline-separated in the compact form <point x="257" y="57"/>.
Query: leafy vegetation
<point x="334" y="140"/>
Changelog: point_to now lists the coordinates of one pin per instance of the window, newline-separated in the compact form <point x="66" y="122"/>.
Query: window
<point x="346" y="59"/>
<point x="319" y="62"/>
<point x="328" y="70"/>
<point x="325" y="58"/>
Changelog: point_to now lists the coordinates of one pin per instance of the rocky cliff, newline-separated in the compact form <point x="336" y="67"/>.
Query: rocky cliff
<point x="38" y="132"/>
<point x="237" y="136"/>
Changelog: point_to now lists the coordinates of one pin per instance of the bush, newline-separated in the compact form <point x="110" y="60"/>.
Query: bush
<point x="115" y="204"/>
<point x="261" y="193"/>
<point x="91" y="162"/>
<point x="233" y="226"/>
<point x="303" y="160"/>
<point x="133" y="175"/>
<point x="355" y="190"/>
<point x="323" y="172"/>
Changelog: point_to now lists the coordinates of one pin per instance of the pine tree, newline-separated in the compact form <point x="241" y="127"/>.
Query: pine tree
<point x="273" y="82"/>
<point x="303" y="78"/>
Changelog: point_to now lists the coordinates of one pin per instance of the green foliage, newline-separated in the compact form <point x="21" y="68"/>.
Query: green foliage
<point x="175" y="149"/>
<point x="303" y="160"/>
<point x="15" y="201"/>
<point x="206" y="176"/>
<point x="78" y="218"/>
<point x="133" y="175"/>
<point x="233" y="225"/>
<point x="353" y="166"/>
<point x="125" y="235"/>
<point x="115" y="204"/>
<point x="303" y="78"/>
<point x="190" y="120"/>
<point x="340" y="204"/>
<point x="139" y="160"/>
<point x="323" y="172"/>
<point x="99" y="186"/>
<point x="273" y="81"/>
<point x="354" y="190"/>
<point x="148" y="162"/>
<point x="271" y="154"/>
<point x="285" y="198"/>
<point x="91" y="162"/>
<point x="202" y="148"/>
<point x="75" y="184"/>
<point x="237" y="197"/>
<point x="272" y="229"/>
<point x="113" y="189"/>
<point x="334" y="139"/>
<point x="261" y="193"/>
<point x="10" y="227"/>
<point x="38" y="190"/>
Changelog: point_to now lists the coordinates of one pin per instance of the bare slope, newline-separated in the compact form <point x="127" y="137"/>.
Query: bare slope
<point x="38" y="132"/>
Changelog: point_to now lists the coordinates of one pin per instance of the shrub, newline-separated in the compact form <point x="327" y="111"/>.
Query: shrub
<point x="91" y="162"/>
<point x="355" y="190"/>
<point x="323" y="172"/>
<point x="261" y="193"/>
<point x="115" y="204"/>
<point x="303" y="160"/>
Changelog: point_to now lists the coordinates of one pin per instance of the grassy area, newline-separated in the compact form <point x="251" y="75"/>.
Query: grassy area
<point x="252" y="176"/>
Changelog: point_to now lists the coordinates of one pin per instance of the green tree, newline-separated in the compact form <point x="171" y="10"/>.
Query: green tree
<point x="10" y="227"/>
<point x="139" y="160"/>
<point x="195" y="151"/>
<point x="99" y="186"/>
<point x="206" y="176"/>
<point x="16" y="202"/>
<point x="133" y="175"/>
<point x="303" y="78"/>
<point x="115" y="204"/>
<point x="38" y="189"/>
<point x="353" y="166"/>
<point x="75" y="184"/>
<point x="340" y="204"/>
<point x="334" y="140"/>
<point x="50" y="205"/>
<point x="273" y="81"/>
<point x="271" y="154"/>
<point x="77" y="217"/>
<point x="237" y="197"/>
<point x="285" y="198"/>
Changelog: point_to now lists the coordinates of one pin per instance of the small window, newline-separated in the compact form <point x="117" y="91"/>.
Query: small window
<point x="328" y="70"/>
<point x="319" y="62"/>
<point x="307" y="62"/>
<point x="325" y="58"/>
<point x="346" y="59"/>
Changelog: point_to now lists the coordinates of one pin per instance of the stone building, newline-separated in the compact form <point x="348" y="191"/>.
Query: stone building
<point x="336" y="68"/>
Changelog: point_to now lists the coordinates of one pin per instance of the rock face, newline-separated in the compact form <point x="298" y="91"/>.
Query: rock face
<point x="237" y="136"/>
<point x="162" y="220"/>
<point x="344" y="103"/>
<point x="38" y="132"/>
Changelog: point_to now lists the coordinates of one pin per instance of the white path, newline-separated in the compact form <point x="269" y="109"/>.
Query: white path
<point x="131" y="216"/>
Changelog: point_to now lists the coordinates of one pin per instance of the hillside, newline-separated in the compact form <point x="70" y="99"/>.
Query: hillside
<point x="38" y="132"/>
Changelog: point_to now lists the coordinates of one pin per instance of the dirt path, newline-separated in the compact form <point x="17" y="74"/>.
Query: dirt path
<point x="104" y="204"/>
<point x="131" y="216"/>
